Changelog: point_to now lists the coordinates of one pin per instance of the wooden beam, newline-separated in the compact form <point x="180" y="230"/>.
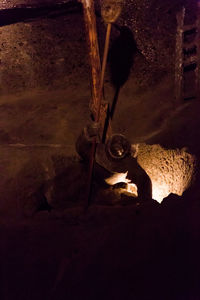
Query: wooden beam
<point x="91" y="34"/>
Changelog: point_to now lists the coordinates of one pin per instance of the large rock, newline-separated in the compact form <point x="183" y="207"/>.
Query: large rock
<point x="170" y="170"/>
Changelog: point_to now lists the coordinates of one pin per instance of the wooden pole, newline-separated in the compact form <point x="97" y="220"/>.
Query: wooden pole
<point x="99" y="112"/>
<point x="105" y="55"/>
<point x="91" y="33"/>
<point x="95" y="103"/>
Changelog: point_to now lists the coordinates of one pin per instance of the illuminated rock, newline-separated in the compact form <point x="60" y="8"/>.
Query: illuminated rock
<point x="171" y="171"/>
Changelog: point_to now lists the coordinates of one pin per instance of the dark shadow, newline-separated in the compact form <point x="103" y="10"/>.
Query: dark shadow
<point x="41" y="199"/>
<point x="114" y="102"/>
<point x="120" y="58"/>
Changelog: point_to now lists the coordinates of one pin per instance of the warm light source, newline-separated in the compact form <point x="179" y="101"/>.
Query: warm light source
<point x="131" y="188"/>
<point x="160" y="192"/>
<point x="170" y="171"/>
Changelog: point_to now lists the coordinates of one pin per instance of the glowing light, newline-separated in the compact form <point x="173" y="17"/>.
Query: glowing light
<point x="116" y="178"/>
<point x="159" y="192"/>
<point x="131" y="188"/>
<point x="170" y="171"/>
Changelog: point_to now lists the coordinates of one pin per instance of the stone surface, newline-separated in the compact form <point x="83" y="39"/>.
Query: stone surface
<point x="42" y="54"/>
<point x="111" y="250"/>
<point x="171" y="171"/>
<point x="45" y="92"/>
<point x="45" y="48"/>
<point x="6" y="4"/>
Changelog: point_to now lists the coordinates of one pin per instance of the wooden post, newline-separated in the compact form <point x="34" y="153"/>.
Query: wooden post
<point x="179" y="55"/>
<point x="198" y="51"/>
<point x="95" y="103"/>
<point x="98" y="110"/>
<point x="91" y="33"/>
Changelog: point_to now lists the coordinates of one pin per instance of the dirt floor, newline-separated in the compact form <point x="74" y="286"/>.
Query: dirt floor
<point x="118" y="252"/>
<point x="114" y="249"/>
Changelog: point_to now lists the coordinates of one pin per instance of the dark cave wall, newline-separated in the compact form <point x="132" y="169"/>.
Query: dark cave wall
<point x="5" y="4"/>
<point x="42" y="53"/>
<point x="45" y="92"/>
<point x="51" y="52"/>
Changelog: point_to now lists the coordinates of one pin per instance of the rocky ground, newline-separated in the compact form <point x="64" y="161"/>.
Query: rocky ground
<point x="120" y="252"/>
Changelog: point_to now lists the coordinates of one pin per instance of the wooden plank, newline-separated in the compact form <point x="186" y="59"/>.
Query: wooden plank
<point x="179" y="54"/>
<point x="198" y="51"/>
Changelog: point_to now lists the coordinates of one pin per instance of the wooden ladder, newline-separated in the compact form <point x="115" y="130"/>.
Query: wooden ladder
<point x="187" y="67"/>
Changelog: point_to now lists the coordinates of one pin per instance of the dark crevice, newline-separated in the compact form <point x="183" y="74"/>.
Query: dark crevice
<point x="189" y="32"/>
<point x="16" y="15"/>
<point x="189" y="35"/>
<point x="189" y="98"/>
<point x="190" y="67"/>
<point x="190" y="51"/>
